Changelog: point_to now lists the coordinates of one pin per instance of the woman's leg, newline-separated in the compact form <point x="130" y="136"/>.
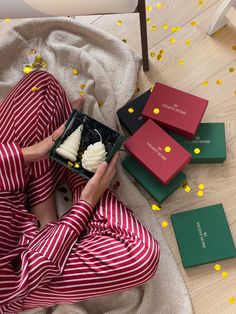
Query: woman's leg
<point x="114" y="253"/>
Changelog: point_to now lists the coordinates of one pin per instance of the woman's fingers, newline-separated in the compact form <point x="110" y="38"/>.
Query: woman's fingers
<point x="100" y="172"/>
<point x="111" y="169"/>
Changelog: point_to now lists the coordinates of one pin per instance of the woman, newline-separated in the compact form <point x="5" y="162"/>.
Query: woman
<point x="96" y="248"/>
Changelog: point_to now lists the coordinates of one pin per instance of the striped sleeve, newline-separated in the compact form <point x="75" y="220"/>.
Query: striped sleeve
<point x="45" y="257"/>
<point x="12" y="168"/>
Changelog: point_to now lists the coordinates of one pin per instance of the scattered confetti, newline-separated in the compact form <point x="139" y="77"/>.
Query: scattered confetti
<point x="162" y="51"/>
<point x="35" y="89"/>
<point x="197" y="151"/>
<point x="178" y="28"/>
<point x="77" y="165"/>
<point x="167" y="149"/>
<point x="100" y="103"/>
<point x="218" y="82"/>
<point x="149" y="8"/>
<point x="159" y="57"/>
<point x="201" y="186"/>
<point x="231" y="70"/>
<point x="172" y="40"/>
<point x="70" y="164"/>
<point x="119" y="22"/>
<point x="224" y="274"/>
<point x="200" y="2"/>
<point x="148" y="19"/>
<point x="152" y="88"/>
<point x="27" y="69"/>
<point x="165" y="26"/>
<point x="75" y="71"/>
<point x="159" y="5"/>
<point x="217" y="267"/>
<point x="205" y="83"/>
<point x="232" y="300"/>
<point x="156" y="110"/>
<point x="164" y="224"/>
<point x="181" y="62"/>
<point x="193" y="23"/>
<point x="174" y="29"/>
<point x="200" y="193"/>
<point x="234" y="47"/>
<point x="156" y="207"/>
<point x="153" y="27"/>
<point x="187" y="188"/>
<point x="124" y="40"/>
<point x="7" y="20"/>
<point x="82" y="86"/>
<point x="187" y="42"/>
<point x="81" y="93"/>
<point x="152" y="54"/>
<point x="131" y="110"/>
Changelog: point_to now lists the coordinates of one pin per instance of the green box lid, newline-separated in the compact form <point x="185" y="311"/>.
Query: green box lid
<point x="159" y="191"/>
<point x="210" y="140"/>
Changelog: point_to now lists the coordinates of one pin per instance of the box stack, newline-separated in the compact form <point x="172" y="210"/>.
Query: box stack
<point x="167" y="134"/>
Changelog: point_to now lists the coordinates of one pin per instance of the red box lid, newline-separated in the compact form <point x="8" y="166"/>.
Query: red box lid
<point x="158" y="152"/>
<point x="175" y="110"/>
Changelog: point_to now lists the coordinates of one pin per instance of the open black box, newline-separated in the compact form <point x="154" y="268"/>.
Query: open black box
<point x="110" y="138"/>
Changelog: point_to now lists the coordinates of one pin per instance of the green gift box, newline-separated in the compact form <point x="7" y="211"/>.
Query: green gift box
<point x="111" y="139"/>
<point x="159" y="191"/>
<point x="208" y="146"/>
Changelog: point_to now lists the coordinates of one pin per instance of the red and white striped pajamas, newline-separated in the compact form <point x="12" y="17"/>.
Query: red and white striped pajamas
<point x="88" y="252"/>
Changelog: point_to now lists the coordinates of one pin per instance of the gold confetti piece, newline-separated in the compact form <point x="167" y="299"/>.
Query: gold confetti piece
<point x="218" y="82"/>
<point x="152" y="88"/>
<point x="231" y="70"/>
<point x="152" y="54"/>
<point x="38" y="59"/>
<point x="156" y="110"/>
<point x="187" y="188"/>
<point x="178" y="28"/>
<point x="173" y="29"/>
<point x="159" y="57"/>
<point x="81" y="93"/>
<point x="197" y="151"/>
<point x="35" y="89"/>
<point x="193" y="23"/>
<point x="149" y="8"/>
<point x="224" y="274"/>
<point x="167" y="149"/>
<point x="162" y="51"/>
<point x="148" y="19"/>
<point x="75" y="71"/>
<point x="200" y="193"/>
<point x="234" y="47"/>
<point x="153" y="27"/>
<point x="232" y="300"/>
<point x="82" y="86"/>
<point x="165" y="26"/>
<point x="156" y="207"/>
<point x="131" y="110"/>
<point x="201" y="186"/>
<point x="164" y="224"/>
<point x="44" y="64"/>
<point x="70" y="164"/>
<point x="217" y="267"/>
<point x="235" y="92"/>
<point x="200" y="2"/>
<point x="181" y="62"/>
<point x="187" y="42"/>
<point x="27" y="69"/>
<point x="100" y="103"/>
<point x="125" y="40"/>
<point x="76" y="165"/>
<point x="7" y="20"/>
<point x="159" y="5"/>
<point x="119" y="22"/>
<point x="172" y="40"/>
<point x="205" y="83"/>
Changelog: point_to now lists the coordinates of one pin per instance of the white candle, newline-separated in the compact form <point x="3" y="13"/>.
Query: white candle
<point x="41" y="8"/>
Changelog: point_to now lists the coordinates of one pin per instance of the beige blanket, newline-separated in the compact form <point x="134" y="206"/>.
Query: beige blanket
<point x="109" y="68"/>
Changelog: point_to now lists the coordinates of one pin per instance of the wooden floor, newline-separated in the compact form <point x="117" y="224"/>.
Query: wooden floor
<point x="205" y="59"/>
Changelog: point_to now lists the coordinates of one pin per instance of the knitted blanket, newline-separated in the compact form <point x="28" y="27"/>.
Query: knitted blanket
<point x="109" y="69"/>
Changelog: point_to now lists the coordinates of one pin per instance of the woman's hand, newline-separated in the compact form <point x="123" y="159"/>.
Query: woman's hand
<point x="40" y="150"/>
<point x="98" y="184"/>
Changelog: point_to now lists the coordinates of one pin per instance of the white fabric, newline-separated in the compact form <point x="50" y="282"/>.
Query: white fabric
<point x="109" y="69"/>
<point x="40" y="8"/>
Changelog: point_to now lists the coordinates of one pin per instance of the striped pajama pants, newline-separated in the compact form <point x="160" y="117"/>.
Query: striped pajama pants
<point x="88" y="252"/>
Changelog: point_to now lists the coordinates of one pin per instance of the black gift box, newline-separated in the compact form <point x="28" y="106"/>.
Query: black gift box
<point x="111" y="139"/>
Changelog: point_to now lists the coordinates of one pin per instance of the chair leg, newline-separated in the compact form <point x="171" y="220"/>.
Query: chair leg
<point x="143" y="30"/>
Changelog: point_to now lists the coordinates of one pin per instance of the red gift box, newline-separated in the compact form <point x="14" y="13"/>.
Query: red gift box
<point x="158" y="152"/>
<point x="175" y="110"/>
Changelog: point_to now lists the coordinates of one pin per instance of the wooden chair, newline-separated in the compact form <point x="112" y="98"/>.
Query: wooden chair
<point x="45" y="8"/>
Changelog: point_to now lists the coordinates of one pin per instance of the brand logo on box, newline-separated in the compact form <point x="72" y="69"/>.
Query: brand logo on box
<point x="198" y="140"/>
<point x="175" y="108"/>
<point x="158" y="151"/>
